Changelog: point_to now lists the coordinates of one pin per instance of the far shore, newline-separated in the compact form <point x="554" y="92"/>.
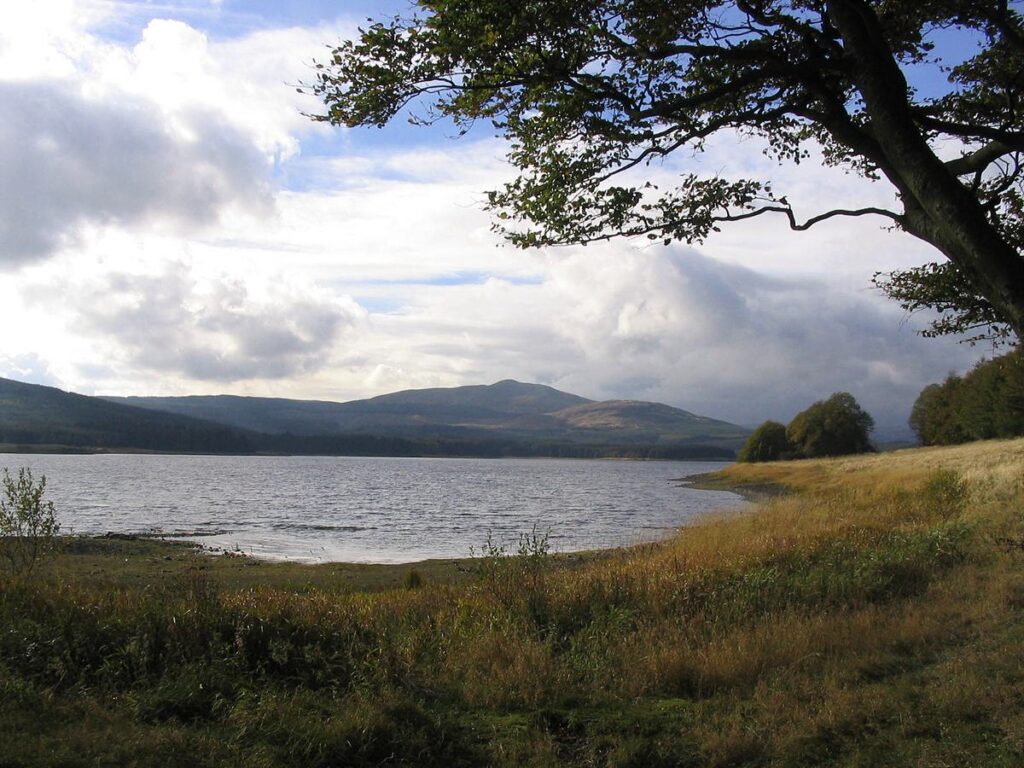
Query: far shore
<point x="61" y="450"/>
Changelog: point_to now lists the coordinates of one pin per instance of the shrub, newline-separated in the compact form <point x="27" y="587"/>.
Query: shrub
<point x="413" y="579"/>
<point x="767" y="443"/>
<point x="515" y="577"/>
<point x="28" y="525"/>
<point x="946" y="491"/>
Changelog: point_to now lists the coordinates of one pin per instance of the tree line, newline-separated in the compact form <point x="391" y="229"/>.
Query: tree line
<point x="985" y="403"/>
<point x="185" y="437"/>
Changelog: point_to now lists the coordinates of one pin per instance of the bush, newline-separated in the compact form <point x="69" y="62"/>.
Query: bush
<point x="515" y="578"/>
<point x="834" y="427"/>
<point x="413" y="579"/>
<point x="946" y="491"/>
<point x="767" y="443"/>
<point x="28" y="525"/>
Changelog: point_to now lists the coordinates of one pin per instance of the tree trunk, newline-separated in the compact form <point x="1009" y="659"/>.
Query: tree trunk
<point x="939" y="209"/>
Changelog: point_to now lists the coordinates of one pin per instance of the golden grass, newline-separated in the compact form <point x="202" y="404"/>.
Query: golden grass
<point x="991" y="466"/>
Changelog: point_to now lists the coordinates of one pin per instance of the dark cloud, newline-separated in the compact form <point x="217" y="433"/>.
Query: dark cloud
<point x="169" y="324"/>
<point x="67" y="161"/>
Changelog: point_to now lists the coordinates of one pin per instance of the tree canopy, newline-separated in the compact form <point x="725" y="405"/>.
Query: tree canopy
<point x="833" y="427"/>
<point x="988" y="402"/>
<point x="589" y="93"/>
<point x="766" y="443"/>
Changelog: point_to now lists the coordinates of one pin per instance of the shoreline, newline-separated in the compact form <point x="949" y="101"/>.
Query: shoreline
<point x="876" y="608"/>
<point x="131" y="560"/>
<point x="700" y="481"/>
<point x="750" y="492"/>
<point x="59" y="450"/>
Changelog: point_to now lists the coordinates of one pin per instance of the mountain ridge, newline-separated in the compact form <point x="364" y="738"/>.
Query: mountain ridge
<point x="34" y="414"/>
<point x="503" y="420"/>
<point x="505" y="409"/>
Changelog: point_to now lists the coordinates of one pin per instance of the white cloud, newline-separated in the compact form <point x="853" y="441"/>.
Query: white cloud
<point x="667" y="324"/>
<point x="68" y="162"/>
<point x="203" y="330"/>
<point x="170" y="133"/>
<point x="250" y="81"/>
<point x="26" y="366"/>
<point x="47" y="38"/>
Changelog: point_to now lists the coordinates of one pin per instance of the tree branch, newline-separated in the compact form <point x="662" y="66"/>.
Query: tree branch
<point x="980" y="159"/>
<point x="966" y="130"/>
<point x="658" y="226"/>
<point x="800" y="227"/>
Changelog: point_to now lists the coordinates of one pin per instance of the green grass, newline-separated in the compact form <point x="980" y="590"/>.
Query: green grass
<point x="874" y="616"/>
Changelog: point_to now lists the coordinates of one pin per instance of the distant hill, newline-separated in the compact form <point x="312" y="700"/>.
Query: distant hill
<point x="35" y="415"/>
<point x="505" y="410"/>
<point x="504" y="419"/>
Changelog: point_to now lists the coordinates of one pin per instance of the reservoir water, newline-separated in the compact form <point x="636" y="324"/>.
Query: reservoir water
<point x="378" y="510"/>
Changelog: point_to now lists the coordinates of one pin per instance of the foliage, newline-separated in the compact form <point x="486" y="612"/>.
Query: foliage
<point x="945" y="289"/>
<point x="28" y="524"/>
<point x="591" y="95"/>
<point x="986" y="403"/>
<point x="832" y="427"/>
<point x="767" y="443"/>
<point x="934" y="418"/>
<point x="865" y="620"/>
<point x="948" y="491"/>
<point x="413" y="579"/>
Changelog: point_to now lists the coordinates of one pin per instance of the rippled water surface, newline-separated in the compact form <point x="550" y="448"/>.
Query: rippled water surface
<point x="371" y="509"/>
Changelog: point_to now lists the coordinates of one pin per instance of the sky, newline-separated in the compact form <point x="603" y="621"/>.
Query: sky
<point x="171" y="222"/>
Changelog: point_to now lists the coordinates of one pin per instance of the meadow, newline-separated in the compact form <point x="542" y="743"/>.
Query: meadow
<point x="865" y="611"/>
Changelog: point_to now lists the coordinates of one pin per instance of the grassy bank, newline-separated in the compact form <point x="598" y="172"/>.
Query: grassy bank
<point x="873" y="616"/>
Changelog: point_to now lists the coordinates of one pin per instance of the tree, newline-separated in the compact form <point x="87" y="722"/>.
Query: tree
<point x="935" y="417"/>
<point x="591" y="92"/>
<point x="833" y="427"/>
<point x="767" y="443"/>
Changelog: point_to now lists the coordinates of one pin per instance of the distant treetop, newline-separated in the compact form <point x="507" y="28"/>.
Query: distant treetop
<point x="767" y="443"/>
<point x="833" y="427"/>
